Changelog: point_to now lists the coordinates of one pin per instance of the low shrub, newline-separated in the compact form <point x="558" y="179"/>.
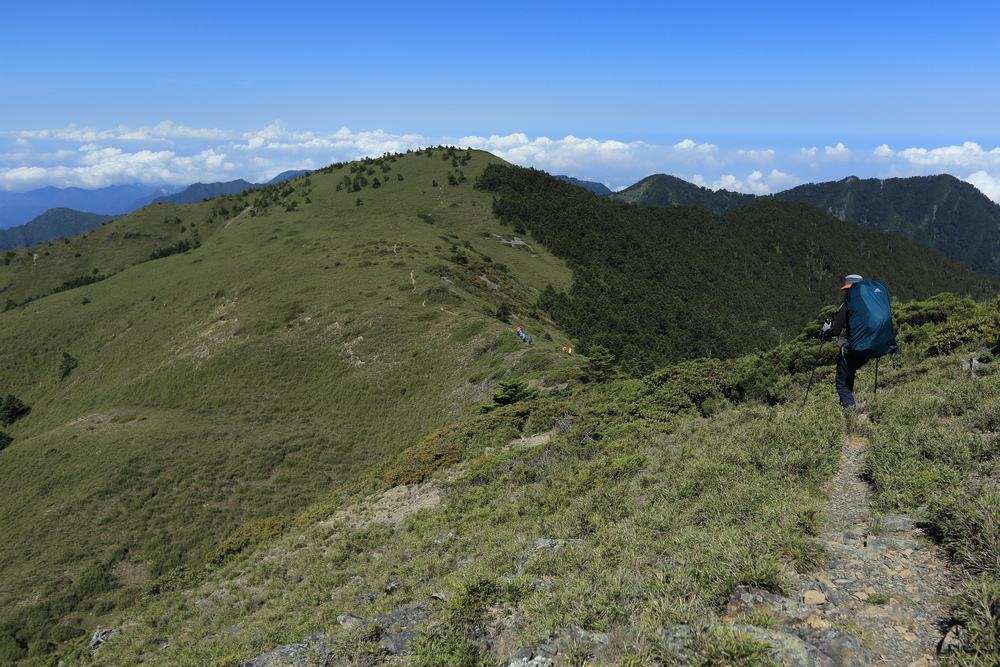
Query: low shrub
<point x="249" y="534"/>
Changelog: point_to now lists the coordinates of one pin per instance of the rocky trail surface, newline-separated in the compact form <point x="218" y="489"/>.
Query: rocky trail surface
<point x="883" y="577"/>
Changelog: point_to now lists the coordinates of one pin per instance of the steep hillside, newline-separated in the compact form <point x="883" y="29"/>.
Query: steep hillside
<point x="192" y="380"/>
<point x="316" y="331"/>
<point x="614" y="523"/>
<point x="941" y="212"/>
<point x="662" y="284"/>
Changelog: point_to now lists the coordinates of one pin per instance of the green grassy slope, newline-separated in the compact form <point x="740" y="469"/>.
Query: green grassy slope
<point x="321" y="342"/>
<point x="665" y="494"/>
<point x="293" y="350"/>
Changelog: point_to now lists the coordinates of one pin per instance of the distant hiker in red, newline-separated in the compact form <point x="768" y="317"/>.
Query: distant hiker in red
<point x="864" y="331"/>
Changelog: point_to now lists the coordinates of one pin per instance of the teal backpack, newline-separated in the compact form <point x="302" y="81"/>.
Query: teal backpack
<point x="870" y="330"/>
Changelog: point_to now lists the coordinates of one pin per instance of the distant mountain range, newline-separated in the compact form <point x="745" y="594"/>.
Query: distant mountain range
<point x="599" y="188"/>
<point x="52" y="224"/>
<point x="199" y="191"/>
<point x="49" y="213"/>
<point x="941" y="212"/>
<point x="17" y="208"/>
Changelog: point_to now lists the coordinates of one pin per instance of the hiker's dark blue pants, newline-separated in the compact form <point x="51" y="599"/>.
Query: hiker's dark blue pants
<point x="847" y="366"/>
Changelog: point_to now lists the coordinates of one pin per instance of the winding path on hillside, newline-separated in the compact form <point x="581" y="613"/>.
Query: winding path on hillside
<point x="883" y="577"/>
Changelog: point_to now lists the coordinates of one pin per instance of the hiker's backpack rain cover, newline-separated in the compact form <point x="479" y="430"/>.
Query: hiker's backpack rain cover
<point x="871" y="333"/>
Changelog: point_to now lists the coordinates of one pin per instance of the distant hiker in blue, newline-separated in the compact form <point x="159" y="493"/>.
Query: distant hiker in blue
<point x="864" y="331"/>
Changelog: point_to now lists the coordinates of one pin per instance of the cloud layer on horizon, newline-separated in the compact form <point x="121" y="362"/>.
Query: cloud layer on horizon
<point x="173" y="154"/>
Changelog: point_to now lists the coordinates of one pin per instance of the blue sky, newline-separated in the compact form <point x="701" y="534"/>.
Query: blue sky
<point x="754" y="97"/>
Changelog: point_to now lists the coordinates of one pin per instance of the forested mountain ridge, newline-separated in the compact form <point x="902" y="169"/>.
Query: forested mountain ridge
<point x="665" y="190"/>
<point x="941" y="212"/>
<point x="657" y="285"/>
<point x="50" y="225"/>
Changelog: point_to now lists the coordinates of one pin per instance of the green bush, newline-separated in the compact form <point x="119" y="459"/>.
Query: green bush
<point x="11" y="409"/>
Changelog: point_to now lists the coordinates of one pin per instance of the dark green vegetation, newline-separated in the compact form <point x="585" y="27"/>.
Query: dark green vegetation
<point x="658" y="285"/>
<point x="941" y="212"/>
<point x="250" y="369"/>
<point x="51" y="225"/>
<point x="664" y="190"/>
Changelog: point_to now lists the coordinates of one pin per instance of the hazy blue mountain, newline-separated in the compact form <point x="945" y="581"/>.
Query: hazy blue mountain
<point x="599" y="188"/>
<point x="195" y="193"/>
<point x="18" y="208"/>
<point x="287" y="176"/>
<point x="51" y="225"/>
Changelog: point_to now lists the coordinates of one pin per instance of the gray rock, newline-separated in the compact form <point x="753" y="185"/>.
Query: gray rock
<point x="676" y="639"/>
<point x="787" y="649"/>
<point x="952" y="641"/>
<point x="784" y="648"/>
<point x="566" y="639"/>
<point x="403" y="620"/>
<point x="99" y="637"/>
<point x="845" y="649"/>
<point x="896" y="522"/>
<point x="398" y="643"/>
<point x="297" y="655"/>
<point x="527" y="657"/>
<point x="561" y="645"/>
<point x="783" y="610"/>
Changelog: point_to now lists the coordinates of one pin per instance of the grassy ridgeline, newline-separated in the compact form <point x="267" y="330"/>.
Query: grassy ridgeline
<point x="290" y="353"/>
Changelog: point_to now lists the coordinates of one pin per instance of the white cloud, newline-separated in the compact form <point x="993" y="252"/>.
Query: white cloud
<point x="968" y="156"/>
<point x="755" y="183"/>
<point x="169" y="153"/>
<point x="752" y="156"/>
<point x="840" y="152"/>
<point x="988" y="184"/>
<point x="883" y="152"/>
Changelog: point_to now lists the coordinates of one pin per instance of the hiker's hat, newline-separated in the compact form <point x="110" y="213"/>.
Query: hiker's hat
<point x="850" y="280"/>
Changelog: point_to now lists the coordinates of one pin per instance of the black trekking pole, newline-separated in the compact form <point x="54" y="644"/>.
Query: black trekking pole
<point x="875" y="393"/>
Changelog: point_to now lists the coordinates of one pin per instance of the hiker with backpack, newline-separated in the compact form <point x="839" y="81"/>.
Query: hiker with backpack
<point x="865" y="320"/>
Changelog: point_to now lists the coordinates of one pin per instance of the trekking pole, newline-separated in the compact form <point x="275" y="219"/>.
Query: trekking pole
<point x="819" y="357"/>
<point x="875" y="393"/>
